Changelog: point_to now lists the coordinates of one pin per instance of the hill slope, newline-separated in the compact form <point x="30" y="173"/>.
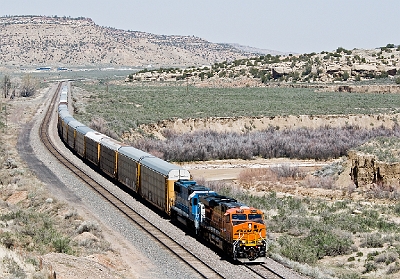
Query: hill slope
<point x="64" y="41"/>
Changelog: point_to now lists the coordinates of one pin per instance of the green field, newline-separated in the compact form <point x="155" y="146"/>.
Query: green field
<point x="127" y="106"/>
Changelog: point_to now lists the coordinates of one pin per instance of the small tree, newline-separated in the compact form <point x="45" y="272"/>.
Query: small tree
<point x="346" y="75"/>
<point x="6" y="85"/>
<point x="29" y="86"/>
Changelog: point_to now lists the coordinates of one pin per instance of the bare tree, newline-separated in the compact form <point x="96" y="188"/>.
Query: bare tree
<point x="29" y="86"/>
<point x="6" y="85"/>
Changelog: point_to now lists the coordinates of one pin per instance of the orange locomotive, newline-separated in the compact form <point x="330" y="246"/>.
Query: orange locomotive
<point x="235" y="228"/>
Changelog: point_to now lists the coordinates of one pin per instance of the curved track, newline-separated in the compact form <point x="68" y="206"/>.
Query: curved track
<point x="179" y="251"/>
<point x="203" y="269"/>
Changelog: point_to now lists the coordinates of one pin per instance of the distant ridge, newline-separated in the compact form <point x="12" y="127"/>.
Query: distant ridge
<point x="64" y="41"/>
<point x="249" y="49"/>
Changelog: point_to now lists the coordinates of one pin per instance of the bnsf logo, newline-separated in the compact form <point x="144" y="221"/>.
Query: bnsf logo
<point x="248" y="231"/>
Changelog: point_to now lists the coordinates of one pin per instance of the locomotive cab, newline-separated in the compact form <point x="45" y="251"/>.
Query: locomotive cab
<point x="245" y="229"/>
<point x="237" y="229"/>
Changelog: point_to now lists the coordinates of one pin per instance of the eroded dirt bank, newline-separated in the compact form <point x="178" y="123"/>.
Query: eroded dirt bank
<point x="245" y="124"/>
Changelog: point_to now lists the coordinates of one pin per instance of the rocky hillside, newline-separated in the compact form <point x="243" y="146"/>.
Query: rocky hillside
<point x="325" y="67"/>
<point x="64" y="41"/>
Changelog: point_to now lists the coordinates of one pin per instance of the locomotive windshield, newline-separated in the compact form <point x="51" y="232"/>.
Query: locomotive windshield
<point x="239" y="218"/>
<point x="256" y="218"/>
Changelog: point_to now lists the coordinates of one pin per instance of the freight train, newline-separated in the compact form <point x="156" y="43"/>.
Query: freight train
<point x="238" y="230"/>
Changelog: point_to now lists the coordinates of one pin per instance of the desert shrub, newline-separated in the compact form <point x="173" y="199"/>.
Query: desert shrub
<point x="326" y="182"/>
<point x="34" y="231"/>
<point x="7" y="239"/>
<point x="387" y="258"/>
<point x="330" y="242"/>
<point x="344" y="274"/>
<point x="286" y="171"/>
<point x="393" y="268"/>
<point x="370" y="219"/>
<point x="370" y="266"/>
<point x="319" y="243"/>
<point x="371" y="256"/>
<point x="372" y="240"/>
<point x="13" y="268"/>
<point x="293" y="224"/>
<point x="267" y="202"/>
<point x="249" y="176"/>
<point x="382" y="191"/>
<point x="396" y="208"/>
<point x="88" y="226"/>
<point x="345" y="221"/>
<point x="62" y="245"/>
<point x="302" y="143"/>
<point x="297" y="250"/>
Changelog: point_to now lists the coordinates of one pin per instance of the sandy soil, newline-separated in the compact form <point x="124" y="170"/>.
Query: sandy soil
<point x="229" y="170"/>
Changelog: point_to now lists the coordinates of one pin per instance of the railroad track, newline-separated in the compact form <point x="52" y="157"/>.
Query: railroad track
<point x="264" y="272"/>
<point x="272" y="270"/>
<point x="178" y="250"/>
<point x="187" y="257"/>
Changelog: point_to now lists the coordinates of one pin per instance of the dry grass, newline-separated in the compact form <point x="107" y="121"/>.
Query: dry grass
<point x="32" y="223"/>
<point x="334" y="235"/>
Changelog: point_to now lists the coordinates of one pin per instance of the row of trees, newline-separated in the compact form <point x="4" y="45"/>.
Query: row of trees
<point x="26" y="87"/>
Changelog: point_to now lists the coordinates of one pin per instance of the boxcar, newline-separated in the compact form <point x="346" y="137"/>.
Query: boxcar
<point x="61" y="115"/>
<point x="72" y="125"/>
<point x="80" y="142"/>
<point x="128" y="166"/>
<point x="92" y="150"/>
<point x="65" y="119"/>
<point x="108" y="156"/>
<point x="62" y="107"/>
<point x="63" y="98"/>
<point x="157" y="179"/>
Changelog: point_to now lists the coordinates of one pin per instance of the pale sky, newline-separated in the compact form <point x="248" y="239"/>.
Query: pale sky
<point x="298" y="26"/>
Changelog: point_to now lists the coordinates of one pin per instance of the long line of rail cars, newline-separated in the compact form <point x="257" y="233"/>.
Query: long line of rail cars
<point x="235" y="228"/>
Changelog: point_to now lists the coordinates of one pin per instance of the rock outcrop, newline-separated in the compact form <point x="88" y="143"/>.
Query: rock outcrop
<point x="366" y="170"/>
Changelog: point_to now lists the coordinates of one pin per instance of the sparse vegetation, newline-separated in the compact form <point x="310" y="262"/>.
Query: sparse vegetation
<point x="36" y="224"/>
<point x="386" y="149"/>
<point x="307" y="229"/>
<point x="319" y="144"/>
<point x="349" y="65"/>
<point x="128" y="107"/>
